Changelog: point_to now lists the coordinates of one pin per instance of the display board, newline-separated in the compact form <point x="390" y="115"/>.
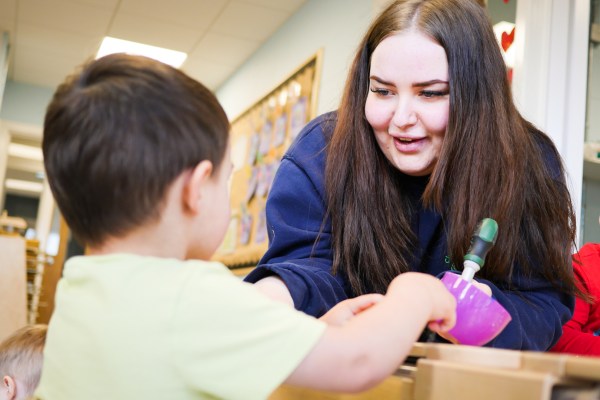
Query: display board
<point x="259" y="138"/>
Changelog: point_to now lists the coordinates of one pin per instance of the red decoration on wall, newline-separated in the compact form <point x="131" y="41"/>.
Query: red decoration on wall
<point x="506" y="1"/>
<point x="507" y="39"/>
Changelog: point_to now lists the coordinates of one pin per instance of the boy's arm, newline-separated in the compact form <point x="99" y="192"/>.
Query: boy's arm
<point x="274" y="288"/>
<point x="371" y="345"/>
<point x="347" y="309"/>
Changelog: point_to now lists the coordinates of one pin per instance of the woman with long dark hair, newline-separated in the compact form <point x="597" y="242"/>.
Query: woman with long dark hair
<point x="425" y="144"/>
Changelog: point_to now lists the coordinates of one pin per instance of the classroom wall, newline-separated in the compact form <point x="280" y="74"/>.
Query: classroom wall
<point x="3" y="62"/>
<point x="25" y="103"/>
<point x="336" y="26"/>
<point x="593" y="116"/>
<point x="591" y="183"/>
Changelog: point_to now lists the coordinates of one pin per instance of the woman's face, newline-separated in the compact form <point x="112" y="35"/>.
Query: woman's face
<point x="408" y="102"/>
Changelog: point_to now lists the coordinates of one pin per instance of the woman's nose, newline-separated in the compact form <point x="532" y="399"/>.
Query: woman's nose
<point x="404" y="114"/>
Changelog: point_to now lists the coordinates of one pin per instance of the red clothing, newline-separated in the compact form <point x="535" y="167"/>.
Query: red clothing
<point x="579" y="333"/>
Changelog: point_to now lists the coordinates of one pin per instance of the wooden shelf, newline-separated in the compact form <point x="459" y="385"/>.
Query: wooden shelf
<point x="37" y="262"/>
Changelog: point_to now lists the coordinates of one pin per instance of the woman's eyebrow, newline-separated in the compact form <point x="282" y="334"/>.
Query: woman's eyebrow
<point x="378" y="79"/>
<point x="429" y="83"/>
<point x="417" y="84"/>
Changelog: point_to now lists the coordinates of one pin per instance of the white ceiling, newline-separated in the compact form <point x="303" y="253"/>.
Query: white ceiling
<point x="50" y="38"/>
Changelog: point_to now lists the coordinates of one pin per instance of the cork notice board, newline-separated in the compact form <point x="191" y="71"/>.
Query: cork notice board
<point x="259" y="138"/>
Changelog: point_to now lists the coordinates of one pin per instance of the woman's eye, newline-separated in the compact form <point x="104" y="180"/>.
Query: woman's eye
<point x="381" y="92"/>
<point x="433" y="93"/>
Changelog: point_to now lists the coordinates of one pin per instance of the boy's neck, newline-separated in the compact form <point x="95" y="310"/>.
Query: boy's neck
<point x="144" y="242"/>
<point x="165" y="238"/>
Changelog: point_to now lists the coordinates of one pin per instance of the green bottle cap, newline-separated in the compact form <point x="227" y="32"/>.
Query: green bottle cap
<point x="488" y="230"/>
<point x="482" y="241"/>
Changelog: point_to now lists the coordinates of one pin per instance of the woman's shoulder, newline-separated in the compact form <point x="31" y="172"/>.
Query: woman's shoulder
<point x="549" y="154"/>
<point x="314" y="137"/>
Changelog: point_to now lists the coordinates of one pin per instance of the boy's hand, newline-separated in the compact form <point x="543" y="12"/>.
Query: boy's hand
<point x="483" y="287"/>
<point x="430" y="293"/>
<point x="345" y="310"/>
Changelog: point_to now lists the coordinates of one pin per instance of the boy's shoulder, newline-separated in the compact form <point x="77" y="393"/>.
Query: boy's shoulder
<point x="140" y="271"/>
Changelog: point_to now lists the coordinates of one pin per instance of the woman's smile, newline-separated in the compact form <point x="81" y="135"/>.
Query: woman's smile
<point x="408" y="101"/>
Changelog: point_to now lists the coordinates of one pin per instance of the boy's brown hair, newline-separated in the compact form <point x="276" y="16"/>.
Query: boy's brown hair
<point x="21" y="355"/>
<point x="118" y="133"/>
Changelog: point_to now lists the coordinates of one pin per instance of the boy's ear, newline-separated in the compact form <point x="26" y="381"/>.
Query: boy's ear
<point x="193" y="192"/>
<point x="9" y="387"/>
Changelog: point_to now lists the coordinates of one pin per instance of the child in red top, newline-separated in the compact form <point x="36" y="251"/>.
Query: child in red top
<point x="580" y="334"/>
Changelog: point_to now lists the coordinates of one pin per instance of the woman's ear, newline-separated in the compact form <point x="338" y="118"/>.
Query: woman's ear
<point x="192" y="193"/>
<point x="9" y="387"/>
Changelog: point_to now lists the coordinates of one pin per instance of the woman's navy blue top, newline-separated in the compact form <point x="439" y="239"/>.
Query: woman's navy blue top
<point x="295" y="211"/>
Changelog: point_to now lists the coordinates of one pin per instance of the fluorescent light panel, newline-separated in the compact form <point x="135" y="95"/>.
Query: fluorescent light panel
<point x="112" y="45"/>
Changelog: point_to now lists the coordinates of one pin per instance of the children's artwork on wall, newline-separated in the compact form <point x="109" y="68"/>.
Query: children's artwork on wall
<point x="259" y="138"/>
<point x="253" y="182"/>
<point x="298" y="119"/>
<point x="263" y="180"/>
<point x="280" y="130"/>
<point x="270" y="172"/>
<point x="229" y="241"/>
<point x="265" y="138"/>
<point x="238" y="152"/>
<point x="245" y="226"/>
<point x="252" y="148"/>
<point x="261" y="227"/>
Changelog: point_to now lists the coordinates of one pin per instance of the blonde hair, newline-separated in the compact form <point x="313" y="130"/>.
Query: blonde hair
<point x="21" y="355"/>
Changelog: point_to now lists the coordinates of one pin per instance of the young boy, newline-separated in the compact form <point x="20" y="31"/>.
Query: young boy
<point x="21" y="356"/>
<point x="137" y="157"/>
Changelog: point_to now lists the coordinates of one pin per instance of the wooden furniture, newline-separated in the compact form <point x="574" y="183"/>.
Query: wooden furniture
<point x="444" y="371"/>
<point x="394" y="387"/>
<point x="13" y="289"/>
<point x="38" y="263"/>
<point x="52" y="276"/>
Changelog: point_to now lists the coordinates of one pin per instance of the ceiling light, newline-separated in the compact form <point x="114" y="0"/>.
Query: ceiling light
<point x="112" y="45"/>
<point x="25" y="186"/>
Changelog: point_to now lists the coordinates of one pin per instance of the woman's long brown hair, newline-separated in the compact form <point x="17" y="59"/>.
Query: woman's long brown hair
<point x="492" y="164"/>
